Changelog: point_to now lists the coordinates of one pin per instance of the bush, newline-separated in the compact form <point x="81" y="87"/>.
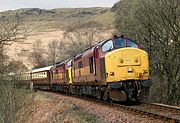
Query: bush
<point x="12" y="99"/>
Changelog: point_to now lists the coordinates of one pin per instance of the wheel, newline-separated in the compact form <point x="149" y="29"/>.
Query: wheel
<point x="98" y="94"/>
<point x="106" y="97"/>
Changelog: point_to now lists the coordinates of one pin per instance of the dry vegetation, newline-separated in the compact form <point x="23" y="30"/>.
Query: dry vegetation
<point x="47" y="109"/>
<point x="11" y="98"/>
<point x="56" y="108"/>
<point x="22" y="51"/>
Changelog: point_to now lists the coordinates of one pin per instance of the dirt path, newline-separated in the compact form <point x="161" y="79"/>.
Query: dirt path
<point x="56" y="108"/>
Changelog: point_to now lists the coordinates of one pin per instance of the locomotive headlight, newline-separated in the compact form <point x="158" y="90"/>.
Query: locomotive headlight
<point x="136" y="60"/>
<point x="145" y="71"/>
<point x="121" y="61"/>
<point x="130" y="69"/>
<point x="111" y="74"/>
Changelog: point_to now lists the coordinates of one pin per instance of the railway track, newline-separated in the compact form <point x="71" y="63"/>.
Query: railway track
<point x="165" y="113"/>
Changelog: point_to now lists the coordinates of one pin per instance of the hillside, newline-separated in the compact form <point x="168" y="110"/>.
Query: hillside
<point x="49" y="25"/>
<point x="59" y="18"/>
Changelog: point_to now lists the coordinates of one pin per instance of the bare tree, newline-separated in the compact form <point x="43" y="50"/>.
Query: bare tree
<point x="91" y="32"/>
<point x="156" y="24"/>
<point x="162" y="22"/>
<point x="55" y="51"/>
<point x="42" y="57"/>
<point x="81" y="36"/>
<point x="38" y="55"/>
<point x="125" y="22"/>
<point x="11" y="97"/>
<point x="10" y="31"/>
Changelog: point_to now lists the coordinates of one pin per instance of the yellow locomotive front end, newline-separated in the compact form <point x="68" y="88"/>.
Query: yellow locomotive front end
<point x="127" y="70"/>
<point x="127" y="64"/>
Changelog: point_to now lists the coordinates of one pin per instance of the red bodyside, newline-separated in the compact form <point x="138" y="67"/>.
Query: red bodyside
<point x="77" y="65"/>
<point x="91" y="59"/>
<point x="58" y="75"/>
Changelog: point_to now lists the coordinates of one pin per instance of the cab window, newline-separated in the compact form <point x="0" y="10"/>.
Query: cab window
<point x="107" y="46"/>
<point x="131" y="44"/>
<point x="119" y="43"/>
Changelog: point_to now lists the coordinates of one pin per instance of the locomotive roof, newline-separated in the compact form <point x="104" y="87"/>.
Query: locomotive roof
<point x="101" y="42"/>
<point x="63" y="62"/>
<point x="77" y="57"/>
<point x="42" y="69"/>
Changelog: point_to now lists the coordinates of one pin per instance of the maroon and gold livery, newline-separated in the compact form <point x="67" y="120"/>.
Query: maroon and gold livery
<point x="114" y="69"/>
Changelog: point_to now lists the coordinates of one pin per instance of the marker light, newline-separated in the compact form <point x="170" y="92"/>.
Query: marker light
<point x="130" y="69"/>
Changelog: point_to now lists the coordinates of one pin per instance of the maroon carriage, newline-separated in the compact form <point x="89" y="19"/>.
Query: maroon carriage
<point x="41" y="77"/>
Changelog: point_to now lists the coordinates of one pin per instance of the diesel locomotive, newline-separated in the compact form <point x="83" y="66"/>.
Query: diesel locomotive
<point x="114" y="69"/>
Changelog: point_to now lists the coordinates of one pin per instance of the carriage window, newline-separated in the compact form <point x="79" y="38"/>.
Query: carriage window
<point x="107" y="46"/>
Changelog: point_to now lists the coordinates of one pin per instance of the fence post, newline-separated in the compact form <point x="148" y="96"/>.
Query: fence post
<point x="31" y="86"/>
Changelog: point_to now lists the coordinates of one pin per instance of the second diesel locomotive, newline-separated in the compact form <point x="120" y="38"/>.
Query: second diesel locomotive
<point x="114" y="69"/>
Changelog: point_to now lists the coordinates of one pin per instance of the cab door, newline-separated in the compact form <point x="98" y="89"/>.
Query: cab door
<point x="98" y="64"/>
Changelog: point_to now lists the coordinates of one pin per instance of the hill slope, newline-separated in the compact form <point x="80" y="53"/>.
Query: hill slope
<point x="59" y="18"/>
<point x="49" y="25"/>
